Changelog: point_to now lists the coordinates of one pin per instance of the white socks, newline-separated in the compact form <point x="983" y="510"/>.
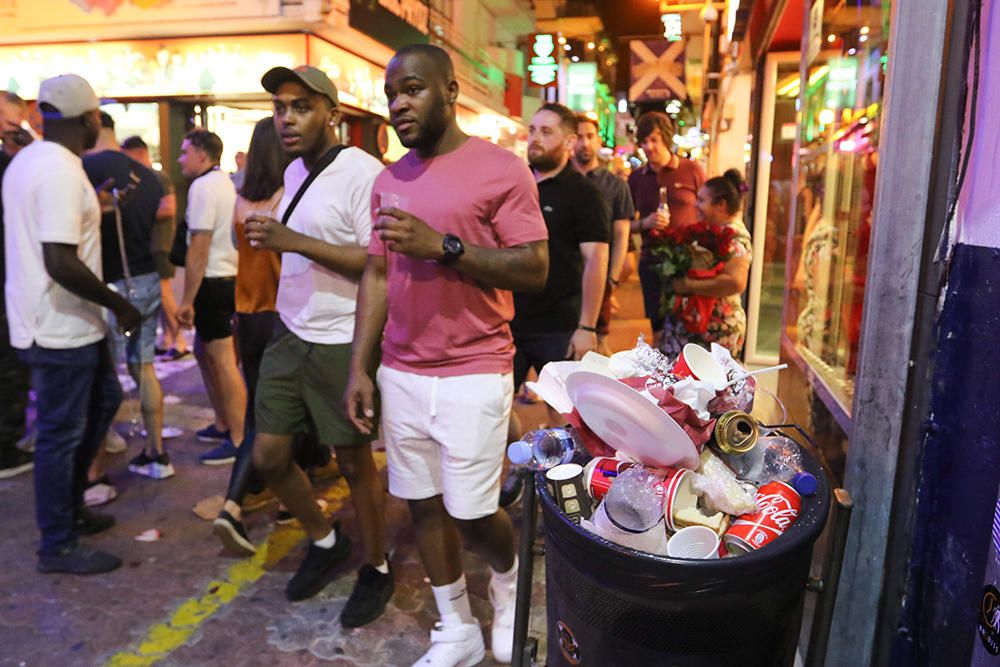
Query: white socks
<point x="508" y="578"/>
<point x="453" y="603"/>
<point x="328" y="541"/>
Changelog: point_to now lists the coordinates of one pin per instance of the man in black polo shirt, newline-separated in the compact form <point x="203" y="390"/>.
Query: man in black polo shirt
<point x="560" y="321"/>
<point x="618" y="198"/>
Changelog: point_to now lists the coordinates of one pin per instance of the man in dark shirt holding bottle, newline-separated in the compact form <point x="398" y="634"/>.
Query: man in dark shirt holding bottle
<point x="682" y="178"/>
<point x="138" y="215"/>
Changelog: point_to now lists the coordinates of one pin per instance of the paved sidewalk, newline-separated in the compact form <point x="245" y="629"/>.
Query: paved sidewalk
<point x="177" y="601"/>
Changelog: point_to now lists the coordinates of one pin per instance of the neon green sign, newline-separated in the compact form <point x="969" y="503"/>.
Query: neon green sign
<point x="542" y="67"/>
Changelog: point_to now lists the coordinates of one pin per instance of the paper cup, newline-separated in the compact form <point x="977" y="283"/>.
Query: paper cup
<point x="694" y="542"/>
<point x="697" y="362"/>
<point x="677" y="488"/>
<point x="567" y="487"/>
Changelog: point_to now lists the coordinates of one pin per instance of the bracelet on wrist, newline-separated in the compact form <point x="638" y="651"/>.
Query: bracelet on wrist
<point x="614" y="282"/>
<point x="587" y="329"/>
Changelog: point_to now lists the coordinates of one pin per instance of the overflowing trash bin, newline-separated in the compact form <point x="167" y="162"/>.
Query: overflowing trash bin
<point x="611" y="605"/>
<point x="679" y="522"/>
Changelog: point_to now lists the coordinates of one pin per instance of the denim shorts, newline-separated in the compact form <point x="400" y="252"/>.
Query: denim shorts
<point x="145" y="296"/>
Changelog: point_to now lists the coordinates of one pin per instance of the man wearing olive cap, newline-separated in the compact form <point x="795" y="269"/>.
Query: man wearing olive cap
<point x="303" y="372"/>
<point x="55" y="296"/>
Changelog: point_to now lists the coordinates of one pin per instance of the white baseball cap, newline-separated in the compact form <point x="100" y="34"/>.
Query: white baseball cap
<point x="70" y="94"/>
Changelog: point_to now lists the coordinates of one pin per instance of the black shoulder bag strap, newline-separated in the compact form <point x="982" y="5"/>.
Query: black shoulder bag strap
<point x="317" y="169"/>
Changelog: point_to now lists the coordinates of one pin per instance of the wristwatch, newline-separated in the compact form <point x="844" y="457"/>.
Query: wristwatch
<point x="453" y="249"/>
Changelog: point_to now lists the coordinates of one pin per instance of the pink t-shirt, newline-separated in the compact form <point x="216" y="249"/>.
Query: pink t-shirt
<point x="441" y="322"/>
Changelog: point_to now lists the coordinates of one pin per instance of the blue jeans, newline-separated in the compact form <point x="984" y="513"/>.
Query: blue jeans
<point x="78" y="395"/>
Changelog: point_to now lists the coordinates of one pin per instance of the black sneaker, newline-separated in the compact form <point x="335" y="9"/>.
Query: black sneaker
<point x="138" y="462"/>
<point x="79" y="560"/>
<point x="16" y="463"/>
<point x="311" y="577"/>
<point x="233" y="535"/>
<point x="372" y="591"/>
<point x="89" y="522"/>
<point x="511" y="489"/>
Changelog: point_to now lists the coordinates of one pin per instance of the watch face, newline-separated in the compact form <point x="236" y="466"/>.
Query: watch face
<point x="453" y="245"/>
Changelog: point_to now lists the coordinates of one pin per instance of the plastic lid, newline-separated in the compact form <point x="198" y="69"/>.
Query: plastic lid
<point x="519" y="453"/>
<point x="805" y="483"/>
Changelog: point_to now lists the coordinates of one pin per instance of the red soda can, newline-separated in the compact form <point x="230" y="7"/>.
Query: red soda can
<point x="600" y="472"/>
<point x="778" y="506"/>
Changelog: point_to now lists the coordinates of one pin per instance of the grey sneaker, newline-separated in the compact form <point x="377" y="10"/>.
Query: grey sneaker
<point x="78" y="560"/>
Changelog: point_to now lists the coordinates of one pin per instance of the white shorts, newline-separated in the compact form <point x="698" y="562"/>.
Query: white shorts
<point x="446" y="436"/>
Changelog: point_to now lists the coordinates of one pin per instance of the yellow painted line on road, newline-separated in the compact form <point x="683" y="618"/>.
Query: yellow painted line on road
<point x="164" y="638"/>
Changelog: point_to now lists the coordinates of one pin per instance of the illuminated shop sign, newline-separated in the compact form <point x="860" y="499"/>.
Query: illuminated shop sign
<point x="543" y="68"/>
<point x="581" y="86"/>
<point x="673" y="28"/>
<point x="210" y="66"/>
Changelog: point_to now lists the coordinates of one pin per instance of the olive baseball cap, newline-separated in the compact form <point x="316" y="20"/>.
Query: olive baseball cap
<point x="312" y="78"/>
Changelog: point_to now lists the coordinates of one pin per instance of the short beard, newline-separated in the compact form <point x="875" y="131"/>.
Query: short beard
<point x="546" y="161"/>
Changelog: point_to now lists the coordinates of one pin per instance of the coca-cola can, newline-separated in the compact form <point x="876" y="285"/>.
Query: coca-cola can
<point x="778" y="507"/>
<point x="600" y="472"/>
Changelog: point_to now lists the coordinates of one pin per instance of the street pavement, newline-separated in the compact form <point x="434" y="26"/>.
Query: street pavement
<point x="179" y="601"/>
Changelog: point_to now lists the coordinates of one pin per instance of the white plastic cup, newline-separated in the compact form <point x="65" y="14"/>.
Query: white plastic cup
<point x="694" y="542"/>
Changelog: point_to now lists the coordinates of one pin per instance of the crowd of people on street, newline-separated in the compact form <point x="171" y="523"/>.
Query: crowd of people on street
<point x="423" y="292"/>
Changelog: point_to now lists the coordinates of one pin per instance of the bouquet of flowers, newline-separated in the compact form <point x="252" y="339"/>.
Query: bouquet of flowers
<point x="695" y="251"/>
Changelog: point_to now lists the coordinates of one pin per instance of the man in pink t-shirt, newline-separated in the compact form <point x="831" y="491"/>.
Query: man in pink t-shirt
<point x="457" y="228"/>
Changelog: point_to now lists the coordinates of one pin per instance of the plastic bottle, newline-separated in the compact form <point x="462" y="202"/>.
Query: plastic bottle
<point x="546" y="448"/>
<point x="632" y="513"/>
<point x="774" y="459"/>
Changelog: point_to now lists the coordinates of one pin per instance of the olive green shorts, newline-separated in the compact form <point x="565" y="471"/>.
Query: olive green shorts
<point x="301" y="390"/>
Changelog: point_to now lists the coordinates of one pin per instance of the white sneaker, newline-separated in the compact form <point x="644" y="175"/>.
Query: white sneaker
<point x="504" y="601"/>
<point x="99" y="494"/>
<point x="114" y="443"/>
<point x="456" y="646"/>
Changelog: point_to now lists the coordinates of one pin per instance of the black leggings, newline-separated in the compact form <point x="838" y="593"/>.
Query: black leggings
<point x="254" y="333"/>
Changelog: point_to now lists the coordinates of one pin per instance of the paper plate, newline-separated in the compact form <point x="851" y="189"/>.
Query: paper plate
<point x="629" y="422"/>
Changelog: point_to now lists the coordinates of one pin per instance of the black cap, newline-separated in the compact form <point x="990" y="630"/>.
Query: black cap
<point x="312" y="78"/>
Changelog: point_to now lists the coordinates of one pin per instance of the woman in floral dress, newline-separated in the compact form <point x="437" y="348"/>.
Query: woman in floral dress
<point x="707" y="307"/>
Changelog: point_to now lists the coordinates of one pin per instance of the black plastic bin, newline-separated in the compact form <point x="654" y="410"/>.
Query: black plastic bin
<point x="608" y="605"/>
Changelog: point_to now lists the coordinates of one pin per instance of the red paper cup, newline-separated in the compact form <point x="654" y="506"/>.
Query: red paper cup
<point x="778" y="507"/>
<point x="681" y="368"/>
<point x="697" y="362"/>
<point x="676" y="478"/>
<point x="600" y="473"/>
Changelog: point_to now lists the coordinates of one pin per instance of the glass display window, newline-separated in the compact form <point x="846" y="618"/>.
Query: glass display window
<point x="840" y="103"/>
<point x="773" y="199"/>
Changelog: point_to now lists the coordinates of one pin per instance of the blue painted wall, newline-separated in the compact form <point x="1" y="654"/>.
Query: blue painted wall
<point x="959" y="471"/>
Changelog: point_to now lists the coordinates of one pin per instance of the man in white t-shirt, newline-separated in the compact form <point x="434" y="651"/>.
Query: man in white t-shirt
<point x="304" y="369"/>
<point x="209" y="300"/>
<point x="54" y="296"/>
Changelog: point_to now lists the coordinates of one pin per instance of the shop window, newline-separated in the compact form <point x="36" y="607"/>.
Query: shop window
<point x="840" y="101"/>
<point x="773" y="199"/>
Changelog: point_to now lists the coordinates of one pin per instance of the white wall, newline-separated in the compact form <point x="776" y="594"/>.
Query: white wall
<point x="729" y="147"/>
<point x="978" y="216"/>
